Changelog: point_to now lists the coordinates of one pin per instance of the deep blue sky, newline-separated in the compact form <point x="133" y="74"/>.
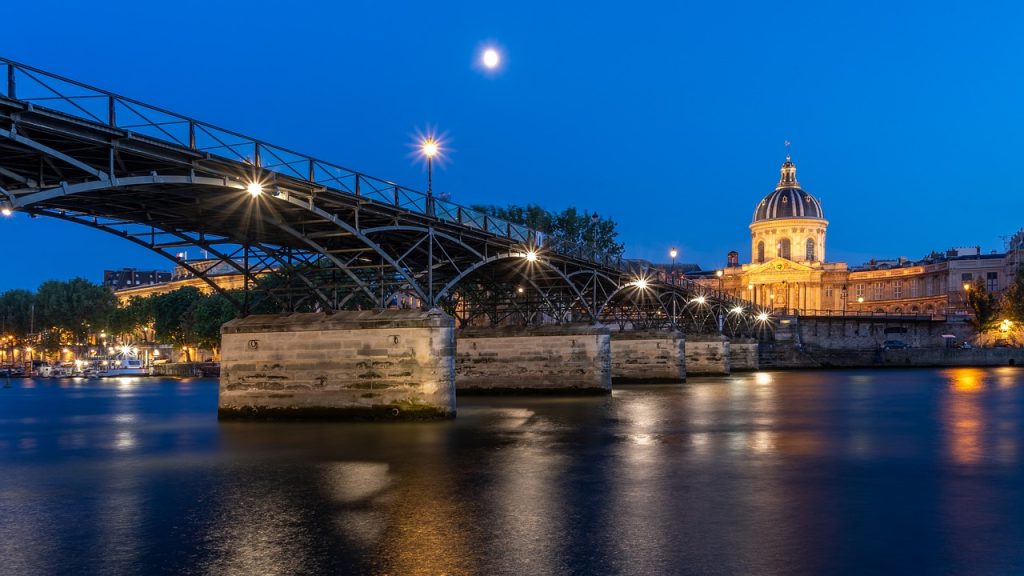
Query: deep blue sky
<point x="906" y="119"/>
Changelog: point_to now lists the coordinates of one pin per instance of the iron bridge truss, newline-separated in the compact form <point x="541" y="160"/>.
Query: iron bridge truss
<point x="316" y="236"/>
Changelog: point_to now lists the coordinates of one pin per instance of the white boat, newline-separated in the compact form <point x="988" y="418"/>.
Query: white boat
<point x="125" y="367"/>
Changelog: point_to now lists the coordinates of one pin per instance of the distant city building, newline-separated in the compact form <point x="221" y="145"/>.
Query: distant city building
<point x="788" y="271"/>
<point x="132" y="277"/>
<point x="223" y="274"/>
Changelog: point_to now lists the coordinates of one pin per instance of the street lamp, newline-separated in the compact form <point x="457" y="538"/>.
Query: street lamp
<point x="672" y="271"/>
<point x="430" y="147"/>
<point x="967" y="297"/>
<point x="719" y="274"/>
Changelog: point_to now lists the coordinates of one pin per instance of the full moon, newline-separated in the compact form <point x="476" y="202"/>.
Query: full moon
<point x="491" y="58"/>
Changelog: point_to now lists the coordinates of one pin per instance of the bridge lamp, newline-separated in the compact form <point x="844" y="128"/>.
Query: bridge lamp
<point x="700" y="300"/>
<point x="641" y="283"/>
<point x="430" y="147"/>
<point x="531" y="256"/>
<point x="762" y="317"/>
<point x="737" y="310"/>
<point x="5" y="209"/>
<point x="254" y="189"/>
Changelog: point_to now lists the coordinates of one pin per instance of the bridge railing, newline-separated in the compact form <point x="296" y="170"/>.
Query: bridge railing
<point x="49" y="91"/>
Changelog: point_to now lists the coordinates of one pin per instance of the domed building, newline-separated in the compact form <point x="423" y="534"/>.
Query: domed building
<point x="788" y="273"/>
<point x="787" y="268"/>
<point x="788" y="223"/>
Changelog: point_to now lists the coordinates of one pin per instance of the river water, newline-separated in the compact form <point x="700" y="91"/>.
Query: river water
<point x="844" y="472"/>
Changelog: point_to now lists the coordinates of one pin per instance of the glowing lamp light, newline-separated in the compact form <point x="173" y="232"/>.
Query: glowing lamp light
<point x="673" y="253"/>
<point x="718" y="273"/>
<point x="520" y="289"/>
<point x="531" y="256"/>
<point x="5" y="211"/>
<point x="430" y="147"/>
<point x="700" y="300"/>
<point x="762" y="317"/>
<point x="641" y="283"/>
<point x="491" y="58"/>
<point x="860" y="300"/>
<point x="737" y="310"/>
<point x="254" y="189"/>
<point x="967" y="287"/>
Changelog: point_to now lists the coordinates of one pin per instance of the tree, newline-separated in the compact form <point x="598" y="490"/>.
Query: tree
<point x="209" y="315"/>
<point x="16" y="313"/>
<point x="132" y="318"/>
<point x="983" y="304"/>
<point x="1011" y="306"/>
<point x="73" y="307"/>
<point x="569" y="225"/>
<point x="173" y="316"/>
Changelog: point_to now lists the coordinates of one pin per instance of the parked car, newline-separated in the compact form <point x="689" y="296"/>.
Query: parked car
<point x="894" y="345"/>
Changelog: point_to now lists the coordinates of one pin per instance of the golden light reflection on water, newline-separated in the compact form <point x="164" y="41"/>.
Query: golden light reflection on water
<point x="974" y="418"/>
<point x="359" y="488"/>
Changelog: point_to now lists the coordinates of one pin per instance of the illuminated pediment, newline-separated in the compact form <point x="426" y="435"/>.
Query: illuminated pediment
<point x="779" y="266"/>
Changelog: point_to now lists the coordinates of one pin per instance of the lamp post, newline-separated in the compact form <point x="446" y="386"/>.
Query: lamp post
<point x="753" y="295"/>
<point x="967" y="298"/>
<point x="842" y="296"/>
<point x="430" y="147"/>
<point x="594" y="219"/>
<point x="719" y="274"/>
<point x="672" y="271"/>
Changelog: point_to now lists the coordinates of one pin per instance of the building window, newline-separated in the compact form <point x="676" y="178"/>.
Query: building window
<point x="784" y="248"/>
<point x="810" y="250"/>
<point x="915" y="287"/>
<point x="879" y="287"/>
<point x="897" y="289"/>
<point x="860" y="290"/>
<point x="991" y="280"/>
<point x="828" y="292"/>
<point x="760" y="252"/>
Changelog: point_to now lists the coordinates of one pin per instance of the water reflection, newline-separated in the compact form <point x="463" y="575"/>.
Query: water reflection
<point x="911" y="471"/>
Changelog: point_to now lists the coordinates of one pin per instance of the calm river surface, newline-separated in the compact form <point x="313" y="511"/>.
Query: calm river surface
<point x="846" y="472"/>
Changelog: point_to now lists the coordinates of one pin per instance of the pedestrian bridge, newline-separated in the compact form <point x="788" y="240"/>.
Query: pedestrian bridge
<point x="336" y="239"/>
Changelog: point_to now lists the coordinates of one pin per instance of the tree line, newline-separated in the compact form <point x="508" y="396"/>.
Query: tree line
<point x="569" y="225"/>
<point x="74" y="312"/>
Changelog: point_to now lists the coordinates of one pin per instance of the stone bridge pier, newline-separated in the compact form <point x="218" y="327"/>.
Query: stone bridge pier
<point x="552" y="359"/>
<point x="648" y="356"/>
<point x="394" y="364"/>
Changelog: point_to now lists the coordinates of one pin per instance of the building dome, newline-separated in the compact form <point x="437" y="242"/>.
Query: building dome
<point x="788" y="200"/>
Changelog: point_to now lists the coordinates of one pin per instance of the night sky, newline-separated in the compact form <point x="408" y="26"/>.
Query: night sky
<point x="906" y="119"/>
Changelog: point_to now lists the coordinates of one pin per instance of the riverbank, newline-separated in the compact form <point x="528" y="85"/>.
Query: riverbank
<point x="784" y="355"/>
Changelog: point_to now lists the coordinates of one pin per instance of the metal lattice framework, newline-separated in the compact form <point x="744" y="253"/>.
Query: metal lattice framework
<point x="313" y="235"/>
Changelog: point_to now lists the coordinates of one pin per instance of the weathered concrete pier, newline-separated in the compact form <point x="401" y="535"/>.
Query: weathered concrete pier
<point x="648" y="356"/>
<point x="708" y="355"/>
<point x="553" y="359"/>
<point x="395" y="364"/>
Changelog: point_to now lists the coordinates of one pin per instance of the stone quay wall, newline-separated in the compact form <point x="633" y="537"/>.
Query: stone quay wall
<point x="648" y="356"/>
<point x="367" y="364"/>
<point x="785" y="355"/>
<point x="547" y="359"/>
<point x="870" y="333"/>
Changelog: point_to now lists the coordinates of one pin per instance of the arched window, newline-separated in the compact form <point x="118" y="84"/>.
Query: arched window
<point x="760" y="252"/>
<point x="784" y="248"/>
<point x="810" y="250"/>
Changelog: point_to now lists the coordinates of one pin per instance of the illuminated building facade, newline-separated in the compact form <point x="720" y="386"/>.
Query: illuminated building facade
<point x="788" y="272"/>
